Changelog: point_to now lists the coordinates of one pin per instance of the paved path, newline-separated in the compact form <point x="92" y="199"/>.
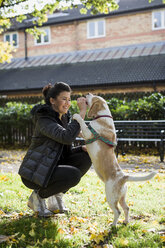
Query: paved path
<point x="10" y="161"/>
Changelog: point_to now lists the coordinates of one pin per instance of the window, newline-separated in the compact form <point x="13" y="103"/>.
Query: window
<point x="12" y="38"/>
<point x="96" y="29"/>
<point x="158" y="19"/>
<point x="43" y="38"/>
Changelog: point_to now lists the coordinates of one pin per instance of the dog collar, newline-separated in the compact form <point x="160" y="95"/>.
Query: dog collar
<point x="99" y="116"/>
<point x="98" y="137"/>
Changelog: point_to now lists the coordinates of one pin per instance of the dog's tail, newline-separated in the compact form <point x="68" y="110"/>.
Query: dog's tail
<point x="140" y="178"/>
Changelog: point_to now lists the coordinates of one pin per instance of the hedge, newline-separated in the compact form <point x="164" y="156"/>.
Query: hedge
<point x="147" y="108"/>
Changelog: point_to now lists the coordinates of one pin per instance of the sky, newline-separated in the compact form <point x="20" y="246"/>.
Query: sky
<point x="27" y="6"/>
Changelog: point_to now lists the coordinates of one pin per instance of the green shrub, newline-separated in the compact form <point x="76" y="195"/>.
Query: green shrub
<point x="146" y="108"/>
<point x="16" y="111"/>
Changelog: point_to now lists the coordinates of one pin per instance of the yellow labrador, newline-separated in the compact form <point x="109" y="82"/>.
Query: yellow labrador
<point x="100" y="138"/>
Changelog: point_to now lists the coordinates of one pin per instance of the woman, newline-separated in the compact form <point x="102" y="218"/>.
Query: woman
<point x="51" y="165"/>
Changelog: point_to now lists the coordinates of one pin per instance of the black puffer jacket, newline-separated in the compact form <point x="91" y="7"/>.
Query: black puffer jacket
<point x="47" y="144"/>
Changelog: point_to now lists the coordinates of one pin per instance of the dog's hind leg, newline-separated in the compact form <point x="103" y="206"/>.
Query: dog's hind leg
<point x="112" y="201"/>
<point x="124" y="204"/>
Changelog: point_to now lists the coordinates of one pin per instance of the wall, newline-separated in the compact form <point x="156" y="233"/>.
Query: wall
<point x="120" y="30"/>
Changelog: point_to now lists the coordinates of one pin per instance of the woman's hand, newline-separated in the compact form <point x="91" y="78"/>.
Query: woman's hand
<point x="81" y="102"/>
<point x="84" y="148"/>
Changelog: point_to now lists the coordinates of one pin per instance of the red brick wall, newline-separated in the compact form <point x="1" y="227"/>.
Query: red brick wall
<point x="120" y="30"/>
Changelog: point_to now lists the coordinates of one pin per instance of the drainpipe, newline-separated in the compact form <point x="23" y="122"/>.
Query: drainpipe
<point x="26" y="55"/>
<point x="154" y="86"/>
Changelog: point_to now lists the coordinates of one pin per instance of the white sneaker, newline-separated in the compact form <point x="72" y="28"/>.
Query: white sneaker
<point x="56" y="204"/>
<point x="38" y="205"/>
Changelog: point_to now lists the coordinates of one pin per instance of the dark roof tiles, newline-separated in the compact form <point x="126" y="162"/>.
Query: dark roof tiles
<point x="88" y="55"/>
<point x="93" y="73"/>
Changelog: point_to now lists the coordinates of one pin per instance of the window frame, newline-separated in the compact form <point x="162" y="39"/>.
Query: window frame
<point x="95" y="21"/>
<point x="162" y="11"/>
<point x="42" y="38"/>
<point x="11" y="34"/>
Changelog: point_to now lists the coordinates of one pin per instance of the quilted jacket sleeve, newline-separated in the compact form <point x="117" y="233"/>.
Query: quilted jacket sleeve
<point x="55" y="131"/>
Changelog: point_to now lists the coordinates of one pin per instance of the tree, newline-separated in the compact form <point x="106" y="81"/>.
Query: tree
<point x="17" y="10"/>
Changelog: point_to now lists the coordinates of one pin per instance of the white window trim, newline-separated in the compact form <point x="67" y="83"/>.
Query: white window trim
<point x="42" y="38"/>
<point x="11" y="33"/>
<point x="96" y="21"/>
<point x="162" y="19"/>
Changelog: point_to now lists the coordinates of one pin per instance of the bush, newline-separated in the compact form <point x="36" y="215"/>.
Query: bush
<point x="16" y="111"/>
<point x="146" y="108"/>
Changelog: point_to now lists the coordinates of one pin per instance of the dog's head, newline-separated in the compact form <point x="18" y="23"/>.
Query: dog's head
<point x="96" y="104"/>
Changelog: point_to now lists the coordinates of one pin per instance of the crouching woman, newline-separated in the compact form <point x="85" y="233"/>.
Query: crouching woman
<point x="51" y="165"/>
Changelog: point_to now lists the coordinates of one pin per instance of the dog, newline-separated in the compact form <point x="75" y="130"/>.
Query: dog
<point x="100" y="138"/>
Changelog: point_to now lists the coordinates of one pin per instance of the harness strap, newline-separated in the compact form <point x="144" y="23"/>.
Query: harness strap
<point x="98" y="137"/>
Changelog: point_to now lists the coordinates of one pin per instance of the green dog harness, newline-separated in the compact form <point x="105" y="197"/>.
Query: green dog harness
<point x="98" y="137"/>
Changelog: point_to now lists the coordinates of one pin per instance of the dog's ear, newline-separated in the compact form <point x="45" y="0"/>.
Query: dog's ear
<point x="95" y="107"/>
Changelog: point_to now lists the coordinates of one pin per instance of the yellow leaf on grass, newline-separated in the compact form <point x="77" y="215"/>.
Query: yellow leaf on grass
<point x="22" y="237"/>
<point x="1" y="212"/>
<point x="32" y="233"/>
<point x="61" y="231"/>
<point x="158" y="177"/>
<point x="4" y="178"/>
<point x="14" y="240"/>
<point x="73" y="230"/>
<point x="33" y="225"/>
<point x="162" y="238"/>
<point x="44" y="241"/>
<point x="155" y="222"/>
<point x="56" y="211"/>
<point x="92" y="230"/>
<point x="130" y="203"/>
<point x="97" y="237"/>
<point x="124" y="242"/>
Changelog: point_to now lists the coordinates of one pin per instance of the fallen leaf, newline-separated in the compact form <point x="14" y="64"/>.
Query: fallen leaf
<point x="32" y="233"/>
<point x="44" y="241"/>
<point x="4" y="238"/>
<point x="162" y="238"/>
<point x="158" y="177"/>
<point x="22" y="237"/>
<point x="1" y="212"/>
<point x="124" y="242"/>
<point x="130" y="203"/>
<point x="33" y="225"/>
<point x="61" y="231"/>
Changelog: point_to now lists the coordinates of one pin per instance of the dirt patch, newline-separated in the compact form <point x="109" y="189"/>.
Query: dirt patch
<point x="10" y="161"/>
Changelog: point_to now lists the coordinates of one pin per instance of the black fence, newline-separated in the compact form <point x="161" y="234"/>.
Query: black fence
<point x="131" y="133"/>
<point x="15" y="132"/>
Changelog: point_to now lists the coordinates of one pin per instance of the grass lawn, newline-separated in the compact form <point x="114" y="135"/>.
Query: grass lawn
<point x="88" y="223"/>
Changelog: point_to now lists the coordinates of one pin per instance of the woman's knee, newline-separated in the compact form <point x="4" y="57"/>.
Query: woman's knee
<point x="75" y="176"/>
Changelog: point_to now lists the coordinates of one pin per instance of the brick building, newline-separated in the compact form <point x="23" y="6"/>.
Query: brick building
<point x="121" y="52"/>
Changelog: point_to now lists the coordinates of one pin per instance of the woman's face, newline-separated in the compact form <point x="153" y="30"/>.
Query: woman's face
<point x="62" y="103"/>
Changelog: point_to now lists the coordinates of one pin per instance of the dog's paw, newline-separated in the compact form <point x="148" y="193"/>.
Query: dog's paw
<point x="77" y="117"/>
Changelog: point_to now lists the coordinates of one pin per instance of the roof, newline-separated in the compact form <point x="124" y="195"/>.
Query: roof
<point x="115" y="67"/>
<point x="80" y="56"/>
<point x="125" y="6"/>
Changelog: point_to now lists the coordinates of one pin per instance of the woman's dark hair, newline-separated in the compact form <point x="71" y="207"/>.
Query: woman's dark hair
<point x="53" y="91"/>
